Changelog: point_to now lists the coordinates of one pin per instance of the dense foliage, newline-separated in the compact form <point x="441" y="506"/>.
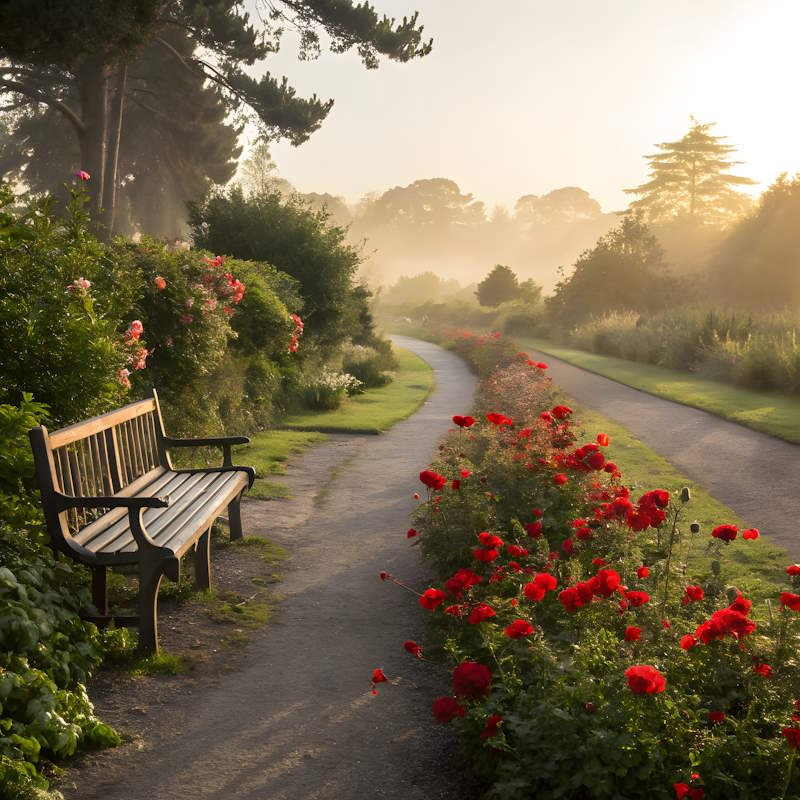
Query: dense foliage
<point x="760" y="351"/>
<point x="46" y="650"/>
<point x="624" y="271"/>
<point x="298" y="241"/>
<point x="597" y="654"/>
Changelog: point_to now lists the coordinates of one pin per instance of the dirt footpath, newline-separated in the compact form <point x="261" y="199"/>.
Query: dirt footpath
<point x="753" y="473"/>
<point x="292" y="716"/>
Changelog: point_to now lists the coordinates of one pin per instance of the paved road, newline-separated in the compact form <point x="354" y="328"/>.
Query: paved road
<point x="298" y="721"/>
<point x="757" y="475"/>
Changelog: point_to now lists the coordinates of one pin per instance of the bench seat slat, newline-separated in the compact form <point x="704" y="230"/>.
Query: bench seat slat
<point x="215" y="498"/>
<point x="150" y="484"/>
<point x="177" y="484"/>
<point x="203" y="497"/>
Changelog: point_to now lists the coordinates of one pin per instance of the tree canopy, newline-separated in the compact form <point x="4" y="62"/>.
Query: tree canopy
<point x="76" y="60"/>
<point x="498" y="286"/>
<point x="624" y="271"/>
<point x="758" y="266"/>
<point x="690" y="178"/>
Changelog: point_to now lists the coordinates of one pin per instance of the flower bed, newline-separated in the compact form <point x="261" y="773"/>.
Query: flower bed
<point x="589" y="658"/>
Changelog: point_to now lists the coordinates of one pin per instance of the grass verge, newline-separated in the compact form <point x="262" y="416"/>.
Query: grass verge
<point x="775" y="414"/>
<point x="376" y="410"/>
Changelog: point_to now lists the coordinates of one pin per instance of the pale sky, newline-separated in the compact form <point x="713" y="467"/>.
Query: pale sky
<point x="524" y="96"/>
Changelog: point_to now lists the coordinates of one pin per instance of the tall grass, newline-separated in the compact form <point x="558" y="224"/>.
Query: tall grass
<point x="760" y="352"/>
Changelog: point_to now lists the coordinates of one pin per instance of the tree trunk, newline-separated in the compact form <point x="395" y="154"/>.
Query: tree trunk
<point x="93" y="92"/>
<point x="112" y="167"/>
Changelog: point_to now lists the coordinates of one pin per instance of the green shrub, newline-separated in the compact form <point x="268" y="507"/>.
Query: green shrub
<point x="46" y="650"/>
<point x="62" y="339"/>
<point x="326" y="391"/>
<point x="367" y="365"/>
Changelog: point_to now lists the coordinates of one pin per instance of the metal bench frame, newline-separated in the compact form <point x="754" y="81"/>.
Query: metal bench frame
<point x="91" y="473"/>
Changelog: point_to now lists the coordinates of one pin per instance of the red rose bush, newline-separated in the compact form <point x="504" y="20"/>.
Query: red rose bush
<point x="596" y="647"/>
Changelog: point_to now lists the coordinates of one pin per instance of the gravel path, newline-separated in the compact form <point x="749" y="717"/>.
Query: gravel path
<point x="297" y="719"/>
<point x="757" y="475"/>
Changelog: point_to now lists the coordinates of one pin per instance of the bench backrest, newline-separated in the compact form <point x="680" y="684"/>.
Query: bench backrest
<point x="100" y="456"/>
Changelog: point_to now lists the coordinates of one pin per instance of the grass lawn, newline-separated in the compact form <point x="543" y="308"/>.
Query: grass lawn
<point x="775" y="414"/>
<point x="372" y="412"/>
<point x="376" y="410"/>
<point x="755" y="567"/>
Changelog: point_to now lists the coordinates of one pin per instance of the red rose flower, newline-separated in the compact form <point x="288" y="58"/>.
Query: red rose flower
<point x="492" y="726"/>
<point x="519" y="628"/>
<point x="568" y="546"/>
<point x="461" y="581"/>
<point x="412" y="532"/>
<point x="791" y="601"/>
<point x="481" y="613"/>
<point x="727" y="533"/>
<point x="716" y="717"/>
<point x="750" y="533"/>
<point x="570" y="599"/>
<point x="644" y="679"/>
<point x="378" y="677"/>
<point x="688" y="641"/>
<point x="561" y="412"/>
<point x="693" y="594"/>
<point x="546" y="581"/>
<point x="599" y="562"/>
<point x="637" y="599"/>
<point x="446" y="709"/>
<point x="534" y="529"/>
<point x="643" y="572"/>
<point x="432" y="479"/>
<point x="683" y="790"/>
<point x="486" y="556"/>
<point x="471" y="679"/>
<point x="498" y="419"/>
<point x="793" y="569"/>
<point x="602" y="439"/>
<point x="763" y="669"/>
<point x="431" y="599"/>
<point x="413" y="648"/>
<point x="559" y="479"/>
<point x="463" y="422"/>
<point x="607" y="583"/>
<point x="632" y="633"/>
<point x="792" y="735"/>
<point x="465" y="473"/>
<point x="596" y="461"/>
<point x="533" y="592"/>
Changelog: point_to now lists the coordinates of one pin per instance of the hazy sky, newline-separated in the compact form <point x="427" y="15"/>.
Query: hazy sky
<point x="524" y="96"/>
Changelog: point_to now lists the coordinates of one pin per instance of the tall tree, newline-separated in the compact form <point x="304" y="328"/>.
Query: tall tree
<point x="74" y="59"/>
<point x="175" y="143"/>
<point x="690" y="178"/>
<point x="624" y="271"/>
<point x="498" y="286"/>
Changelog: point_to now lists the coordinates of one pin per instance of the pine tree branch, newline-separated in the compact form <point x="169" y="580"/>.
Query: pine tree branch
<point x="46" y="99"/>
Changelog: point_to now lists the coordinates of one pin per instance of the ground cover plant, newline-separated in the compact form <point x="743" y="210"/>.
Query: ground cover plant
<point x="601" y="646"/>
<point x="377" y="409"/>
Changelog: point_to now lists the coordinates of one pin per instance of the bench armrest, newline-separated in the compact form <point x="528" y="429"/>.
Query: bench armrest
<point x="225" y="442"/>
<point x="64" y="502"/>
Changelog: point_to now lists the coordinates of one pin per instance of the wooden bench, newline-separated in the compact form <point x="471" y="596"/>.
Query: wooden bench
<point x="111" y="497"/>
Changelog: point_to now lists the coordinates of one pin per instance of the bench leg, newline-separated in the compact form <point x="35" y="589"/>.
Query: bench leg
<point x="150" y="575"/>
<point x="235" y="518"/>
<point x="202" y="561"/>
<point x="99" y="590"/>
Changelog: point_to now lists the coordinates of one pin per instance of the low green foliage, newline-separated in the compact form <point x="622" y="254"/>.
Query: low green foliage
<point x="775" y="414"/>
<point x="375" y="410"/>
